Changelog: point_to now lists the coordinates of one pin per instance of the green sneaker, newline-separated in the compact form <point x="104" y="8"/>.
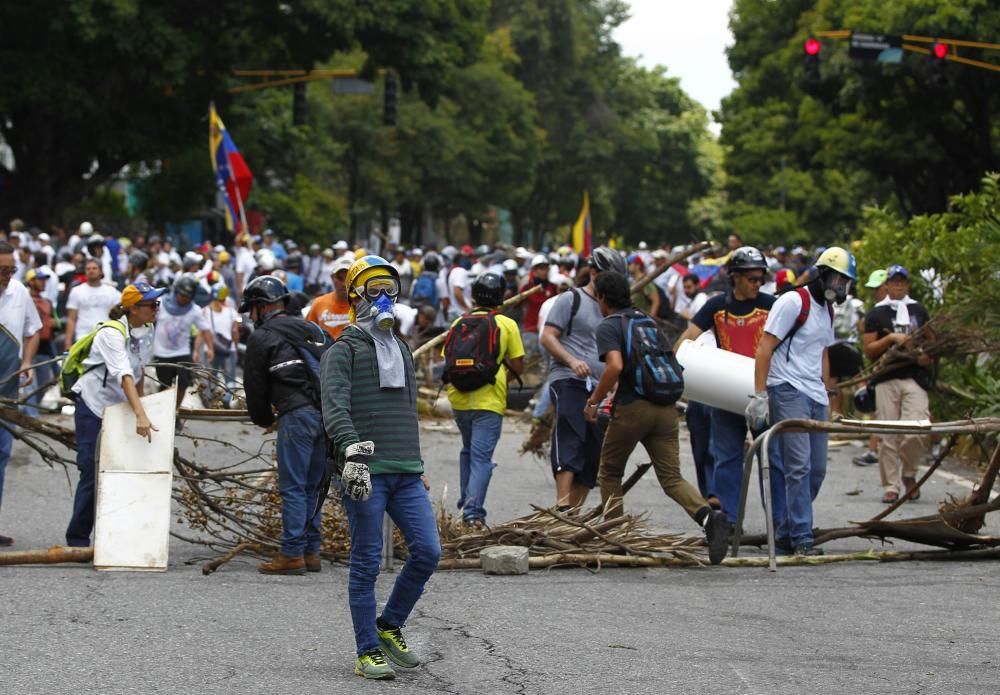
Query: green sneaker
<point x="395" y="647"/>
<point x="373" y="665"/>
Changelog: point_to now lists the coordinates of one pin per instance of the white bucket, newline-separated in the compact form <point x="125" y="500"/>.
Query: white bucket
<point x="715" y="377"/>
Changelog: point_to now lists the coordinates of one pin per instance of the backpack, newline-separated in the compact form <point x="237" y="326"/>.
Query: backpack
<point x="73" y="367"/>
<point x="310" y="344"/>
<point x="650" y="366"/>
<point x="472" y="351"/>
<point x="574" y="309"/>
<point x="424" y="291"/>
<point x="800" y="320"/>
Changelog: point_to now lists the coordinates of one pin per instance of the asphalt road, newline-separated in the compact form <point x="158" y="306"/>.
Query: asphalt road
<point x="840" y="628"/>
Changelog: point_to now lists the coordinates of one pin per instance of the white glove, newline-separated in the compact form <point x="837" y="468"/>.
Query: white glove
<point x="758" y="411"/>
<point x="356" y="479"/>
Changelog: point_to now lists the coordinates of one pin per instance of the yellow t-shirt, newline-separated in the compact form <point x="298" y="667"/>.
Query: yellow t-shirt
<point x="492" y="397"/>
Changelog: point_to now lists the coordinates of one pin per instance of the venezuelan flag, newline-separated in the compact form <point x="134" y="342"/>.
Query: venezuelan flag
<point x="581" y="230"/>
<point x="231" y="172"/>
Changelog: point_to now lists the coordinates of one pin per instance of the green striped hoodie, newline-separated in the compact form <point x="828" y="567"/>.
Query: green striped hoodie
<point x="355" y="409"/>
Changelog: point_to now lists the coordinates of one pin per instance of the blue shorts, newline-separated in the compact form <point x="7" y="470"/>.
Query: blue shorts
<point x="576" y="443"/>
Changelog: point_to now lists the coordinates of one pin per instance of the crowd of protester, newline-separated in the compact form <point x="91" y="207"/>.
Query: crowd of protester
<point x="724" y="297"/>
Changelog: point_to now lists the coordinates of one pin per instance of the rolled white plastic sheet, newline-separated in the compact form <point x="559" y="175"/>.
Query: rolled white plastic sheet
<point x="715" y="377"/>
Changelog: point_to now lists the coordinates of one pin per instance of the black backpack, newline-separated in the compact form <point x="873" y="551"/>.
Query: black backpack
<point x="472" y="351"/>
<point x="310" y="342"/>
<point x="650" y="365"/>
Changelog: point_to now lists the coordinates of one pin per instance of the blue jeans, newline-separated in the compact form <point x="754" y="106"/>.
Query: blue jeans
<point x="6" y="444"/>
<point x="699" y="424"/>
<point x="480" y="433"/>
<point x="81" y="524"/>
<point x="301" y="464"/>
<point x="803" y="457"/>
<point x="43" y="375"/>
<point x="728" y="435"/>
<point x="403" y="496"/>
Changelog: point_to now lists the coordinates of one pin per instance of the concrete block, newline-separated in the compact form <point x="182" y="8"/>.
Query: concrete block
<point x="504" y="559"/>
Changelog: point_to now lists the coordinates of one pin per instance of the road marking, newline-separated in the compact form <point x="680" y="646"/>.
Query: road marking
<point x="957" y="479"/>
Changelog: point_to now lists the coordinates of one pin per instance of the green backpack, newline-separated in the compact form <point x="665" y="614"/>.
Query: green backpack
<point x="72" y="366"/>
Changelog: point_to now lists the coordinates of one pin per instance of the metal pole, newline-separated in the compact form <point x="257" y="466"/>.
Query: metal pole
<point x="843" y="426"/>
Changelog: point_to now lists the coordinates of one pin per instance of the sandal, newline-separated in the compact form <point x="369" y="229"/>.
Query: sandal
<point x="890" y="497"/>
<point x="911" y="483"/>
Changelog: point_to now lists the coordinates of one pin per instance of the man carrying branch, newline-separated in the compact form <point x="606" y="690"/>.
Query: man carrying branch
<point x="901" y="393"/>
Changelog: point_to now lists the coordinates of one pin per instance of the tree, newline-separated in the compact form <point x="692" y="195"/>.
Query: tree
<point x="801" y="165"/>
<point x="88" y="86"/>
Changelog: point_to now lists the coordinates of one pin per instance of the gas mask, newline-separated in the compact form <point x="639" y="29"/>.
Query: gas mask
<point x="836" y="287"/>
<point x="378" y="301"/>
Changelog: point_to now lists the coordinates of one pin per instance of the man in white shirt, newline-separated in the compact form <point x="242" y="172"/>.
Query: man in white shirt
<point x="792" y="381"/>
<point x="172" y="347"/>
<point x="459" y="301"/>
<point x="692" y="299"/>
<point x="88" y="304"/>
<point x="18" y="344"/>
<point x="246" y="264"/>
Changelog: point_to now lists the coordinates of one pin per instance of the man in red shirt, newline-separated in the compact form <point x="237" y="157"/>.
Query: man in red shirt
<point x="533" y="303"/>
<point x="737" y="319"/>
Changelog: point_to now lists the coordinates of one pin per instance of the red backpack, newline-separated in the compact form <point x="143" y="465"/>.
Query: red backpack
<point x="806" y="298"/>
<point x="472" y="351"/>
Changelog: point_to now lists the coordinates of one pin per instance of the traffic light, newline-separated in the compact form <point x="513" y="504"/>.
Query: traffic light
<point x="812" y="48"/>
<point x="939" y="65"/>
<point x="389" y="100"/>
<point x="299" y="104"/>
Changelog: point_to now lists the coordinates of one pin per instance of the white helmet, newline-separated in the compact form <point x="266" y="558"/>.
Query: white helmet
<point x="86" y="228"/>
<point x="540" y="259"/>
<point x="266" y="260"/>
<point x="510" y="266"/>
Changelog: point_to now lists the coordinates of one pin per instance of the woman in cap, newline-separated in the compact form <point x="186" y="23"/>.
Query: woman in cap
<point x="113" y="374"/>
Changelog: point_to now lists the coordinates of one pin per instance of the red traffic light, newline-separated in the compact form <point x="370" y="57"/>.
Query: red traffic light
<point x="812" y="47"/>
<point x="939" y="50"/>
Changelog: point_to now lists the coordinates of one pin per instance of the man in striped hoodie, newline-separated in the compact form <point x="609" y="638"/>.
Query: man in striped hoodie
<point x="370" y="414"/>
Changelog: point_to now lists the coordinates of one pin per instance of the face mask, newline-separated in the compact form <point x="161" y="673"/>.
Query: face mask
<point x="381" y="310"/>
<point x="835" y="287"/>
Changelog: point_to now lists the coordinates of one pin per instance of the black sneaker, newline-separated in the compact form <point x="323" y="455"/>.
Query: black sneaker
<point x="808" y="551"/>
<point x="866" y="459"/>
<point x="717" y="532"/>
<point x="783" y="546"/>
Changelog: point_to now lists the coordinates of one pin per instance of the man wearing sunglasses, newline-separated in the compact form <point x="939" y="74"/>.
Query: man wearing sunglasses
<point x="737" y="318"/>
<point x="19" y="326"/>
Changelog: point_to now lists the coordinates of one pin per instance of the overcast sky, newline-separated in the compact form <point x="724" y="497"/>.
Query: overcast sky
<point x="688" y="38"/>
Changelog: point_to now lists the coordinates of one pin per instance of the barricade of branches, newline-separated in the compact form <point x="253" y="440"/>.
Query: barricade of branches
<point x="575" y="537"/>
<point x="947" y="335"/>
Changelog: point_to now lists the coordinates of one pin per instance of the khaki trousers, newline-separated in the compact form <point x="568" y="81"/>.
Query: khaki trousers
<point x="656" y="428"/>
<point x="899" y="455"/>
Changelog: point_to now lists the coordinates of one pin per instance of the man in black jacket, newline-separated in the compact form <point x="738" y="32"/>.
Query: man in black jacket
<point x="278" y="380"/>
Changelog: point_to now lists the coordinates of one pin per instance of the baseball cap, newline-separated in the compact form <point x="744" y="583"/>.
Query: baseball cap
<point x="35" y="274"/>
<point x="140" y="292"/>
<point x="659" y="254"/>
<point x="342" y="263"/>
<point x="876" y="279"/>
<point x="895" y="270"/>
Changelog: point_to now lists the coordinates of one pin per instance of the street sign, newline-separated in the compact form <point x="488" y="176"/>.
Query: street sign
<point x="352" y="85"/>
<point x="884" y="48"/>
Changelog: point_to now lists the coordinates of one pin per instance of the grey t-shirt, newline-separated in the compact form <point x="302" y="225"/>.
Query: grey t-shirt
<point x="582" y="339"/>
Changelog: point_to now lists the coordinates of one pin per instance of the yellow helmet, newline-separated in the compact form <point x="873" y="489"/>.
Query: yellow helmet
<point x="839" y="260"/>
<point x="365" y="268"/>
